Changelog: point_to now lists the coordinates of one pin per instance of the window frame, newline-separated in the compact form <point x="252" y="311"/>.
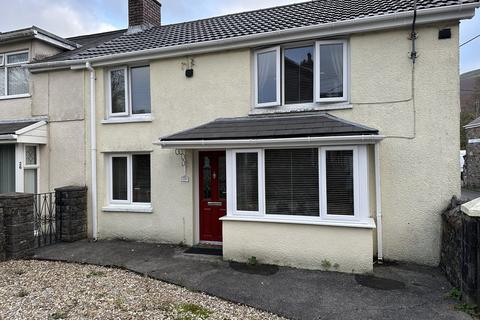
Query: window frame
<point x="128" y="94"/>
<point x="129" y="200"/>
<point x="232" y="185"/>
<point x="317" y="101"/>
<point x="317" y="81"/>
<point x="5" y="66"/>
<point x="361" y="188"/>
<point x="278" y="54"/>
<point x="33" y="167"/>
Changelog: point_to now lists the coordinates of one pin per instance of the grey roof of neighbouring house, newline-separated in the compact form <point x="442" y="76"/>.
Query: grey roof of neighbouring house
<point x="280" y="18"/>
<point x="12" y="127"/>
<point x="475" y="123"/>
<point x="273" y="127"/>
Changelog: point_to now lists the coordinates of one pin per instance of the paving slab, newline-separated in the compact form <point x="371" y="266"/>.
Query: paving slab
<point x="398" y="291"/>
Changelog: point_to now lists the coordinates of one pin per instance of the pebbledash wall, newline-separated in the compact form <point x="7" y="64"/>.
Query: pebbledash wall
<point x="472" y="162"/>
<point x="419" y="157"/>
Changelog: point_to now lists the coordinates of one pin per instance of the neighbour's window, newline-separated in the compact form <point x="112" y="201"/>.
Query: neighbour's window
<point x="315" y="72"/>
<point x="13" y="77"/>
<point x="326" y="183"/>
<point x="130" y="91"/>
<point x="130" y="179"/>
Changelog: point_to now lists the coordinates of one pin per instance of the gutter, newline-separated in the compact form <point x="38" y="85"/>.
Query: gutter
<point x="209" y="144"/>
<point x="8" y="137"/>
<point x="93" y="149"/>
<point x="388" y="21"/>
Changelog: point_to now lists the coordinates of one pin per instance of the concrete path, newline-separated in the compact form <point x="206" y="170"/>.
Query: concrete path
<point x="412" y="292"/>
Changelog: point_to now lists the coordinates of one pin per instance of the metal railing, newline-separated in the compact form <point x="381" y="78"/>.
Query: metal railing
<point x="47" y="227"/>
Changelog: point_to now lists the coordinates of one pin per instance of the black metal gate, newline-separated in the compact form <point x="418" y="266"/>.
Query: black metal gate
<point x="46" y="224"/>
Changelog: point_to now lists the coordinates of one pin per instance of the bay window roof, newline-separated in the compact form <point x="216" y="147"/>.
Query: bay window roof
<point x="272" y="127"/>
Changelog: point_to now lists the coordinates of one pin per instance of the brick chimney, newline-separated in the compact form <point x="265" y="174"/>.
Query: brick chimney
<point x="143" y="14"/>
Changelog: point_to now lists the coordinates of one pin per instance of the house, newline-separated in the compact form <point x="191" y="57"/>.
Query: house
<point x="318" y="133"/>
<point x="469" y="101"/>
<point x="472" y="159"/>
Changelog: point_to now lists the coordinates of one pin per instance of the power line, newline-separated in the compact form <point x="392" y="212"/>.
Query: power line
<point x="477" y="36"/>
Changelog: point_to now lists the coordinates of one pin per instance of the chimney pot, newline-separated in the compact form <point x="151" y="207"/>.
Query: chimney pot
<point x="144" y="14"/>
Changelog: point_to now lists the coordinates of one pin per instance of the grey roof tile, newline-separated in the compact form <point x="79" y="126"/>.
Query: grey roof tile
<point x="273" y="126"/>
<point x="12" y="127"/>
<point x="292" y="16"/>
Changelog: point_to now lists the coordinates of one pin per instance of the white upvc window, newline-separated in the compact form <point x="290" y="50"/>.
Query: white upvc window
<point x="14" y="79"/>
<point x="267" y="77"/>
<point x="129" y="92"/>
<point x="30" y="169"/>
<point x="328" y="184"/>
<point x="314" y="72"/>
<point x="129" y="179"/>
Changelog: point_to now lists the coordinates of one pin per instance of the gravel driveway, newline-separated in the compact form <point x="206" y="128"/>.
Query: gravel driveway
<point x="51" y="290"/>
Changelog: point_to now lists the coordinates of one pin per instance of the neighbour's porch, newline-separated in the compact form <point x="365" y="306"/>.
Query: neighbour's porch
<point x="291" y="190"/>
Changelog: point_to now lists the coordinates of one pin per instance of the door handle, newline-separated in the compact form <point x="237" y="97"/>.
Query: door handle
<point x="214" y="204"/>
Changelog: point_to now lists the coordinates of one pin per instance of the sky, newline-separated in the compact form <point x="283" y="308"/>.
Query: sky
<point x="75" y="17"/>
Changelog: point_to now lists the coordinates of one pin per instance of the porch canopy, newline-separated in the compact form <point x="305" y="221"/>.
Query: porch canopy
<point x="272" y="130"/>
<point x="34" y="132"/>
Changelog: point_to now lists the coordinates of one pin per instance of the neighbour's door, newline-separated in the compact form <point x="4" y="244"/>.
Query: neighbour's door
<point x="213" y="194"/>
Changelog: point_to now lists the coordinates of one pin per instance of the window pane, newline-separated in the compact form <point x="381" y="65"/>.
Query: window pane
<point x="140" y="90"/>
<point x="299" y="75"/>
<point x="331" y="70"/>
<point x="247" y="181"/>
<point x="340" y="183"/>
<point x="2" y="82"/>
<point x="119" y="178"/>
<point x="291" y="182"/>
<point x="7" y="168"/>
<point x="141" y="178"/>
<point x="17" y="80"/>
<point x="17" y="58"/>
<point x="30" y="177"/>
<point x="30" y="155"/>
<point x="117" y="83"/>
<point x="267" y="77"/>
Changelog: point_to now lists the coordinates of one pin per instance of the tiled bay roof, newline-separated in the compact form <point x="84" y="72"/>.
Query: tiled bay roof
<point x="280" y="18"/>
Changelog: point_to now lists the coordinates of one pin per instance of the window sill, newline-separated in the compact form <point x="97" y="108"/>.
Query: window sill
<point x="128" y="208"/>
<point x="136" y="119"/>
<point x="301" y="108"/>
<point x="17" y="96"/>
<point x="369" y="224"/>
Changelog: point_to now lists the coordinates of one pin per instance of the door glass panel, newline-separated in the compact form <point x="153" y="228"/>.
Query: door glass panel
<point x="7" y="168"/>
<point x="30" y="180"/>
<point x="30" y="155"/>
<point x="222" y="178"/>
<point x="207" y="178"/>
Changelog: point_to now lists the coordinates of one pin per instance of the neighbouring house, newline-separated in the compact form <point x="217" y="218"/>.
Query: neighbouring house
<point x="314" y="134"/>
<point x="469" y="101"/>
<point x="472" y="159"/>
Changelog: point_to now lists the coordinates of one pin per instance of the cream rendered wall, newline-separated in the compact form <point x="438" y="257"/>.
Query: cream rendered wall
<point x="419" y="157"/>
<point x="299" y="246"/>
<point x="220" y="87"/>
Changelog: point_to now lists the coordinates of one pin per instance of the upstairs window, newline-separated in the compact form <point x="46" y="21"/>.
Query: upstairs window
<point x="129" y="91"/>
<point x="299" y="74"/>
<point x="13" y="77"/>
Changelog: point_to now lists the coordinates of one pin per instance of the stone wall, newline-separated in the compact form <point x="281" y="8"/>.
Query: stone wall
<point x="71" y="210"/>
<point x="2" y="235"/>
<point x="472" y="160"/>
<point x="18" y="225"/>
<point x="461" y="251"/>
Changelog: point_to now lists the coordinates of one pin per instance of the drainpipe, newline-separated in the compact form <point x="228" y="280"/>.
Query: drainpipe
<point x="378" y="198"/>
<point x="93" y="148"/>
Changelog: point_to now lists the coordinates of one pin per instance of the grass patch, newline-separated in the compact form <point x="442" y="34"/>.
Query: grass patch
<point x="190" y="311"/>
<point x="94" y="274"/>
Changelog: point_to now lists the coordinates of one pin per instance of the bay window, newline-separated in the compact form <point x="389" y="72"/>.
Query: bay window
<point x="310" y="73"/>
<point x="129" y="89"/>
<point x="130" y="181"/>
<point x="300" y="184"/>
<point x="13" y="77"/>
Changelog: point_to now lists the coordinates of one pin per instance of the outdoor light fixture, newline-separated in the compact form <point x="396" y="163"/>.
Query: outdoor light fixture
<point x="188" y="67"/>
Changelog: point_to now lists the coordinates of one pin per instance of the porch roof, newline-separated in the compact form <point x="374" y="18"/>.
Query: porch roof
<point x="23" y="131"/>
<point x="304" y="127"/>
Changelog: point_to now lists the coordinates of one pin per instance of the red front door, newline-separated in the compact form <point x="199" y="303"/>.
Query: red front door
<point x="213" y="194"/>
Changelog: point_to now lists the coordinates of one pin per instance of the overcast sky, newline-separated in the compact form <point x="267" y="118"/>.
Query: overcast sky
<point x="75" y="17"/>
